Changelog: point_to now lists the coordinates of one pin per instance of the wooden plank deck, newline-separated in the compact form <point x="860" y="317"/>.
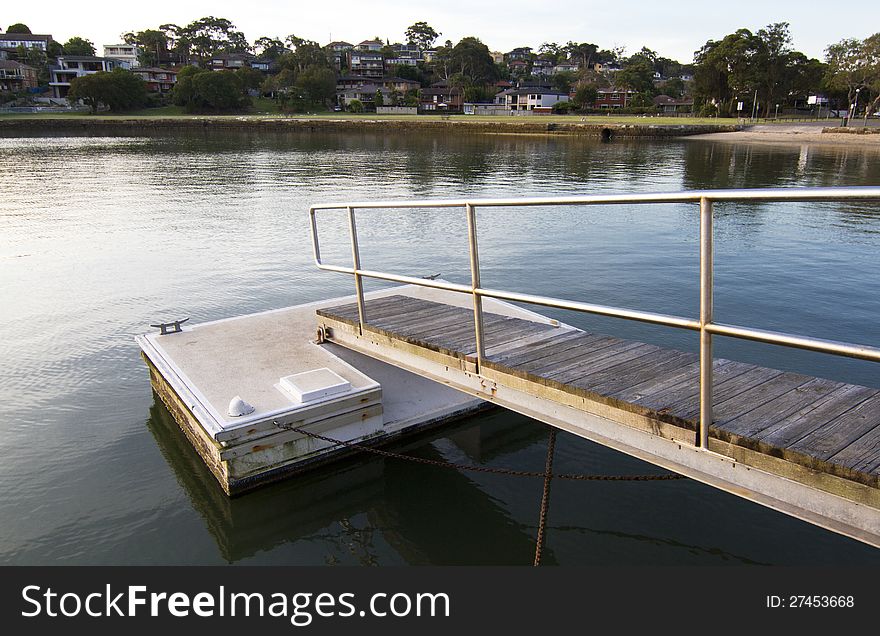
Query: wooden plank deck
<point x="824" y="426"/>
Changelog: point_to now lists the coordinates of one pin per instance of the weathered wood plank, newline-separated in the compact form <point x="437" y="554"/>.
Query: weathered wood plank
<point x="806" y="420"/>
<point x="594" y="361"/>
<point x="862" y="455"/>
<point x="689" y="407"/>
<point x="524" y="343"/>
<point x="521" y="355"/>
<point x="656" y="365"/>
<point x="575" y="349"/>
<point x="751" y="422"/>
<point x="842" y="431"/>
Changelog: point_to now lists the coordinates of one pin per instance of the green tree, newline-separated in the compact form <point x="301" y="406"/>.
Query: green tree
<point x="637" y="76"/>
<point x="471" y="58"/>
<point x="269" y="48"/>
<point x="118" y="90"/>
<point x="585" y="95"/>
<point x="153" y="44"/>
<point x="250" y="78"/>
<point x="563" y="81"/>
<point x="317" y="84"/>
<point x="79" y="46"/>
<point x="422" y="35"/>
<point x="850" y="67"/>
<point x="18" y="27"/>
<point x="379" y="99"/>
<point x="207" y="36"/>
<point x="356" y="106"/>
<point x="201" y="90"/>
<point x="305" y="53"/>
<point x="551" y="51"/>
<point x="584" y="53"/>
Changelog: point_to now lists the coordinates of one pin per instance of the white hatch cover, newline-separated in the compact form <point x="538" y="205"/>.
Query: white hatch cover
<point x="314" y="385"/>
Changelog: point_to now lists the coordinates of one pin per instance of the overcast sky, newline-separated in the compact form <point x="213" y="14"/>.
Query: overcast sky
<point x="673" y="29"/>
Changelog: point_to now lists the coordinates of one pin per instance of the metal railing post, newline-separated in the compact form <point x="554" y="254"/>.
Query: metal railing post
<point x="706" y="288"/>
<point x="356" y="265"/>
<point x="475" y="284"/>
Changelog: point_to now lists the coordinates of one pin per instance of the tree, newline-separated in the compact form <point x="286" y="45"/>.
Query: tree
<point x="379" y="99"/>
<point x="201" y="90"/>
<point x="422" y="35"/>
<point x="853" y="65"/>
<point x="119" y="90"/>
<point x="317" y="84"/>
<point x="563" y="81"/>
<point x="204" y="37"/>
<point x="583" y="52"/>
<point x="551" y="51"/>
<point x="153" y="44"/>
<point x="585" y="95"/>
<point x="250" y="78"/>
<point x="18" y="27"/>
<point x="356" y="106"/>
<point x="269" y="48"/>
<point x="637" y="76"/>
<point x="305" y="53"/>
<point x="471" y="58"/>
<point x="79" y="46"/>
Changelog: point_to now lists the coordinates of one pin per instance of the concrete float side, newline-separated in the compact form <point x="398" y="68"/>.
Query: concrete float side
<point x="380" y="345"/>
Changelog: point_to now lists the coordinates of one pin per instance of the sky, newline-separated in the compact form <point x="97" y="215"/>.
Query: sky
<point x="673" y="29"/>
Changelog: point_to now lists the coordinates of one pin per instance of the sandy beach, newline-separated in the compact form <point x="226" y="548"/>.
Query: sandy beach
<point x="808" y="133"/>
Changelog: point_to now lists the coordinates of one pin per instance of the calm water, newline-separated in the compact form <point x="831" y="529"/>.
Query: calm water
<point x="101" y="236"/>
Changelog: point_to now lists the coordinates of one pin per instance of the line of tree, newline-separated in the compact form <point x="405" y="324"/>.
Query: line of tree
<point x="743" y="66"/>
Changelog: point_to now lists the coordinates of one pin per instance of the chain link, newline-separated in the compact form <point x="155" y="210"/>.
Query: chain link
<point x="475" y="468"/>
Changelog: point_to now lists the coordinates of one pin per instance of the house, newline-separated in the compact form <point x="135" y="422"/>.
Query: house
<point x="126" y="52"/>
<point x="365" y="93"/>
<point x="566" y="67"/>
<point x="366" y="63"/>
<point x="71" y="66"/>
<point x="344" y="82"/>
<point x="370" y="45"/>
<point x="441" y="96"/>
<point x="229" y="61"/>
<point x="337" y="52"/>
<point x="669" y="104"/>
<point x="530" y="98"/>
<point x="429" y="54"/>
<point x="264" y="66"/>
<point x="16" y="77"/>
<point x="518" y="67"/>
<point x="520" y="53"/>
<point x="497" y="57"/>
<point x="158" y="80"/>
<point x="542" y="66"/>
<point x="613" y="97"/>
<point x="400" y="84"/>
<point x="11" y="41"/>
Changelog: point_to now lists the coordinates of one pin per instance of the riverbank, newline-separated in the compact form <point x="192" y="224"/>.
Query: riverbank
<point x="596" y="127"/>
<point x="813" y="133"/>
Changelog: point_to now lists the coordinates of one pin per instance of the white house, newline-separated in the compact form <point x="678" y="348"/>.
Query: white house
<point x="126" y="52"/>
<point x="530" y="98"/>
<point x="70" y="66"/>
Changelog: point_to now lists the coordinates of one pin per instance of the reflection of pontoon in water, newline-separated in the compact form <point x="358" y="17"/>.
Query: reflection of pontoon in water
<point x="805" y="446"/>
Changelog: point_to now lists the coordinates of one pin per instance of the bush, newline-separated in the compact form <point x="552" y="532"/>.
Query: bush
<point x="118" y="90"/>
<point x="356" y="106"/>
<point x="201" y="90"/>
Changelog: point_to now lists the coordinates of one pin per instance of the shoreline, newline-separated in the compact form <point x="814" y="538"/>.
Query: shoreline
<point x="276" y="124"/>
<point x="781" y="134"/>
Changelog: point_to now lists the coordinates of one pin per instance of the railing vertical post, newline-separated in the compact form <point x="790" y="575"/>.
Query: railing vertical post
<point x="706" y="289"/>
<point x="475" y="283"/>
<point x="356" y="265"/>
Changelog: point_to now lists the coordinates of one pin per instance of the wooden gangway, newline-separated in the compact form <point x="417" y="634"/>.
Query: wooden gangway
<point x="806" y="446"/>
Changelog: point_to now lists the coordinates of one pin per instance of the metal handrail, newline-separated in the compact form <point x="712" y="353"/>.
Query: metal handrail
<point x="704" y="324"/>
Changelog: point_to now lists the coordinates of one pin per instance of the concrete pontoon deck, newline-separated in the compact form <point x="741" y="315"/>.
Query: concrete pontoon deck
<point x="197" y="371"/>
